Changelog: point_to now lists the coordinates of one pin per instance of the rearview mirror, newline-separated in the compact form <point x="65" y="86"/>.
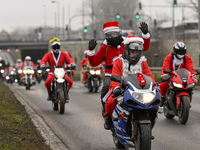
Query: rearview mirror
<point x="165" y="78"/>
<point x="115" y="78"/>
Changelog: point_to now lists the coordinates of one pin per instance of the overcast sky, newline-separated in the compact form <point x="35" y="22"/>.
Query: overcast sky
<point x="35" y="13"/>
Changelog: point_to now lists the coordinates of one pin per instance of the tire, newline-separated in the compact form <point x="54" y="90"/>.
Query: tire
<point x="168" y="116"/>
<point x="61" y="102"/>
<point x="95" y="86"/>
<point x="55" y="106"/>
<point x="117" y="143"/>
<point x="28" y="86"/>
<point x="143" y="139"/>
<point x="183" y="113"/>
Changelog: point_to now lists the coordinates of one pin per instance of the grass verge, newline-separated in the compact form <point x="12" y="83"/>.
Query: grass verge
<point x="17" y="132"/>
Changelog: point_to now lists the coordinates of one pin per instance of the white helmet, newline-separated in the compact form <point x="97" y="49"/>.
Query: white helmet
<point x="19" y="60"/>
<point x="27" y="58"/>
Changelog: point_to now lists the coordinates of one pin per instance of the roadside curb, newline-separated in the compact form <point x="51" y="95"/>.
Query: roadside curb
<point x="50" y="138"/>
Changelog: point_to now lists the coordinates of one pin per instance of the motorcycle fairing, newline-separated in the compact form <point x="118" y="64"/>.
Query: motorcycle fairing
<point x="178" y="98"/>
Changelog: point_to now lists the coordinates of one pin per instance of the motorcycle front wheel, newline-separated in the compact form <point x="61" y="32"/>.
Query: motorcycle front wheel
<point x="183" y="113"/>
<point x="61" y="102"/>
<point x="95" y="86"/>
<point x="143" y="139"/>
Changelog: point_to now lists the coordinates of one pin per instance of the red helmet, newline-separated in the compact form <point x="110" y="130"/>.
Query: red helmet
<point x="179" y="49"/>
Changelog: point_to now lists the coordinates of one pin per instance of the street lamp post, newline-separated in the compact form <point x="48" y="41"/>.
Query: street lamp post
<point x="44" y="16"/>
<point x="58" y="16"/>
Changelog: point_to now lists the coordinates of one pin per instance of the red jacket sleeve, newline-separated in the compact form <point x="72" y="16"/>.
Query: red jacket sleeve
<point x="98" y="58"/>
<point x="189" y="64"/>
<point x="146" y="44"/>
<point x="167" y="63"/>
<point x="68" y="58"/>
<point x="117" y="70"/>
<point x="82" y="62"/>
<point x="22" y="66"/>
<point x="33" y="65"/>
<point x="146" y="70"/>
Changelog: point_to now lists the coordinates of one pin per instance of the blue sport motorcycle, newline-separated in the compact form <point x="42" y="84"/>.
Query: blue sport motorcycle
<point x="135" y="113"/>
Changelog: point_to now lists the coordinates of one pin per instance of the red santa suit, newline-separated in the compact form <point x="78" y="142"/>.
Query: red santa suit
<point x="60" y="62"/>
<point x="26" y="64"/>
<point x="84" y="61"/>
<point x="185" y="62"/>
<point x="108" y="53"/>
<point x="120" y="68"/>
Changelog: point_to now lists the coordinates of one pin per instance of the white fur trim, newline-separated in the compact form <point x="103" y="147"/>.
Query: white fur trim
<point x="91" y="53"/>
<point x="105" y="42"/>
<point x="117" y="57"/>
<point x="118" y="46"/>
<point x="146" y="36"/>
<point x="133" y="39"/>
<point x="110" y="28"/>
<point x="55" y="42"/>
<point x="107" y="74"/>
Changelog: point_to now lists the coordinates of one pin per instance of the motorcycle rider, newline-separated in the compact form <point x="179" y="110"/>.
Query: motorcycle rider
<point x="84" y="64"/>
<point x="18" y="64"/>
<point x="130" y="62"/>
<point x="112" y="47"/>
<point x="173" y="61"/>
<point x="56" y="58"/>
<point x="27" y="63"/>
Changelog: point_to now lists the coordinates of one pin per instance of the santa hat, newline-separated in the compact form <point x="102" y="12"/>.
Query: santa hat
<point x="132" y="39"/>
<point x="110" y="26"/>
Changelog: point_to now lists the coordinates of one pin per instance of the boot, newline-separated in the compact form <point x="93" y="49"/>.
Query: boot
<point x="108" y="122"/>
<point x="49" y="95"/>
<point x="66" y="95"/>
<point x="162" y="102"/>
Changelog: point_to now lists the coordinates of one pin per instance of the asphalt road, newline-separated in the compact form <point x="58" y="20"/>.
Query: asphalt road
<point x="81" y="126"/>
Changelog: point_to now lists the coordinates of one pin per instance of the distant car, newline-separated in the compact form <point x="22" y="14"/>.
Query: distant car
<point x="126" y="33"/>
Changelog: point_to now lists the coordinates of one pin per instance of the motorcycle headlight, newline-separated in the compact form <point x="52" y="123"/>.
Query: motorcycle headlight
<point x="191" y="85"/>
<point x="98" y="72"/>
<point x="2" y="71"/>
<point x="59" y="74"/>
<point x="177" y="85"/>
<point x="47" y="70"/>
<point x="92" y="72"/>
<point x="29" y="71"/>
<point x="12" y="72"/>
<point x="24" y="71"/>
<point x="143" y="98"/>
<point x="7" y="77"/>
<point x="39" y="71"/>
<point x="0" y="64"/>
<point x="20" y="71"/>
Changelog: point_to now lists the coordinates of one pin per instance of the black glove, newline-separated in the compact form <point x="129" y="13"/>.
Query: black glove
<point x="73" y="66"/>
<point x="117" y="91"/>
<point x="144" y="27"/>
<point x="92" y="44"/>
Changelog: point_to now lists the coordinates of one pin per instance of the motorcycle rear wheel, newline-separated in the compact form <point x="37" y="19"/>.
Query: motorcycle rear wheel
<point x="167" y="115"/>
<point x="143" y="139"/>
<point x="61" y="102"/>
<point x="183" y="113"/>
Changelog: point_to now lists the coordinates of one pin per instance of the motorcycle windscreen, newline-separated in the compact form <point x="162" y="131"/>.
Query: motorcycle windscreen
<point x="183" y="73"/>
<point x="134" y="80"/>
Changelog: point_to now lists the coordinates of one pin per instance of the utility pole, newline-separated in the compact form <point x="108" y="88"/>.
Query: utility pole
<point x="173" y="28"/>
<point x="92" y="20"/>
<point x="199" y="23"/>
<point x="63" y="30"/>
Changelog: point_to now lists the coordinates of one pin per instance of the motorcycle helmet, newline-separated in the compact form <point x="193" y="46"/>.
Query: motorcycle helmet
<point x="27" y="58"/>
<point x="133" y="49"/>
<point x="55" y="44"/>
<point x="113" y="33"/>
<point x="179" y="49"/>
<point x="19" y="61"/>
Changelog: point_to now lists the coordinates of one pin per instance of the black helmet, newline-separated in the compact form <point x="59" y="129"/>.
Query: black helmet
<point x="113" y="37"/>
<point x="179" y="49"/>
<point x="133" y="49"/>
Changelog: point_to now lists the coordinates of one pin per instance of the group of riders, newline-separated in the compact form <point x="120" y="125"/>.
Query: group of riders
<point x="120" y="56"/>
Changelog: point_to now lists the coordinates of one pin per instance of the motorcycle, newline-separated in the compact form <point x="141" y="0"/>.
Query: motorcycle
<point x="93" y="79"/>
<point x="135" y="113"/>
<point x="2" y="73"/>
<point x="69" y="71"/>
<point x="59" y="87"/>
<point x="28" y="80"/>
<point x="18" y="75"/>
<point x="179" y="94"/>
<point x="39" y="75"/>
